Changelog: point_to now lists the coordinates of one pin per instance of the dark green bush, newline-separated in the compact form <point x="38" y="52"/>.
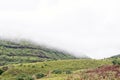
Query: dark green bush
<point x="42" y="66"/>
<point x="24" y="77"/>
<point x="45" y="65"/>
<point x="116" y="62"/>
<point x="68" y="72"/>
<point x="40" y="75"/>
<point x="1" y="71"/>
<point x="57" y="71"/>
<point x="33" y="66"/>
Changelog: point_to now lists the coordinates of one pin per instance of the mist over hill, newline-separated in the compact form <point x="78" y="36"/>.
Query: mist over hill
<point x="25" y="51"/>
<point x="116" y="56"/>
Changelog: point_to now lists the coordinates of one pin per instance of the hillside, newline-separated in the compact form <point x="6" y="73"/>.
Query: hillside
<point x="25" y="51"/>
<point x="36" y="62"/>
<point x="116" y="56"/>
<point x="53" y="70"/>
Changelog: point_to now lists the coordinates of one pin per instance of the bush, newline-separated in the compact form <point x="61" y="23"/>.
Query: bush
<point x="68" y="72"/>
<point x="42" y="66"/>
<point x="1" y="71"/>
<point x="24" y="77"/>
<point x="116" y="62"/>
<point x="33" y="66"/>
<point x="40" y="75"/>
<point x="45" y="65"/>
<point x="57" y="71"/>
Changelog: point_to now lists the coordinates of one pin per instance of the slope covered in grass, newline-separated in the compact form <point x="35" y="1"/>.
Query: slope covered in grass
<point x="25" y="51"/>
<point x="116" y="56"/>
<point x="49" y="66"/>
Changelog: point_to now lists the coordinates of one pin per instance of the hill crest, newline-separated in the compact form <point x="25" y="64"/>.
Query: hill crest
<point x="25" y="51"/>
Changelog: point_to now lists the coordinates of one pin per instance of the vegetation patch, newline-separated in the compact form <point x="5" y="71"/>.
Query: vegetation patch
<point x="57" y="71"/>
<point x="1" y="71"/>
<point x="24" y="77"/>
<point x="40" y="75"/>
<point x="68" y="72"/>
<point x="52" y="68"/>
<point x="107" y="72"/>
<point x="116" y="62"/>
<point x="28" y="52"/>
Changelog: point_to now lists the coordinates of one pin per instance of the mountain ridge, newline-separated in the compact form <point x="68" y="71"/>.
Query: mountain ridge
<point x="116" y="56"/>
<point x="26" y="51"/>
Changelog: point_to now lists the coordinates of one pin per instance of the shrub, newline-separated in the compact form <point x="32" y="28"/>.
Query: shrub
<point x="42" y="66"/>
<point x="45" y="65"/>
<point x="1" y="71"/>
<point x="116" y="62"/>
<point x="24" y="77"/>
<point x="28" y="65"/>
<point x="68" y="72"/>
<point x="40" y="75"/>
<point x="33" y="66"/>
<point x="57" y="71"/>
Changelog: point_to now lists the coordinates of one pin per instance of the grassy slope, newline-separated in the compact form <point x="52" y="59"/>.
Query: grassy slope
<point x="24" y="52"/>
<point x="116" y="56"/>
<point x="48" y="66"/>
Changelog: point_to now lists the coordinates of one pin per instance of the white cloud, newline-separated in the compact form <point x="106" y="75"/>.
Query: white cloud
<point x="17" y="5"/>
<point x="80" y="26"/>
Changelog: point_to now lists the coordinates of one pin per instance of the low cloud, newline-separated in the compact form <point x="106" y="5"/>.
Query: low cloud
<point x="81" y="26"/>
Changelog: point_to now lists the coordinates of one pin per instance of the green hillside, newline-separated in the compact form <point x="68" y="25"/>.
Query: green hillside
<point x="116" y="56"/>
<point x="25" y="51"/>
<point x="35" y="62"/>
<point x="51" y="69"/>
<point x="25" y="60"/>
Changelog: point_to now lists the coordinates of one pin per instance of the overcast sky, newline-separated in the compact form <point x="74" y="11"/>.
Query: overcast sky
<point x="90" y="27"/>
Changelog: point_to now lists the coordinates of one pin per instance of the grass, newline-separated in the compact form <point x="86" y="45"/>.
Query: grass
<point x="27" y="61"/>
<point x="48" y="66"/>
<point x="27" y="52"/>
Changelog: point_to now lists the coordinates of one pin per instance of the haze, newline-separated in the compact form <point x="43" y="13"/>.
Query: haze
<point x="90" y="27"/>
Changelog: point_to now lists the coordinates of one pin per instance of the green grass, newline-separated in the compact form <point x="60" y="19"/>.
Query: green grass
<point x="18" y="58"/>
<point x="27" y="52"/>
<point x="49" y="66"/>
